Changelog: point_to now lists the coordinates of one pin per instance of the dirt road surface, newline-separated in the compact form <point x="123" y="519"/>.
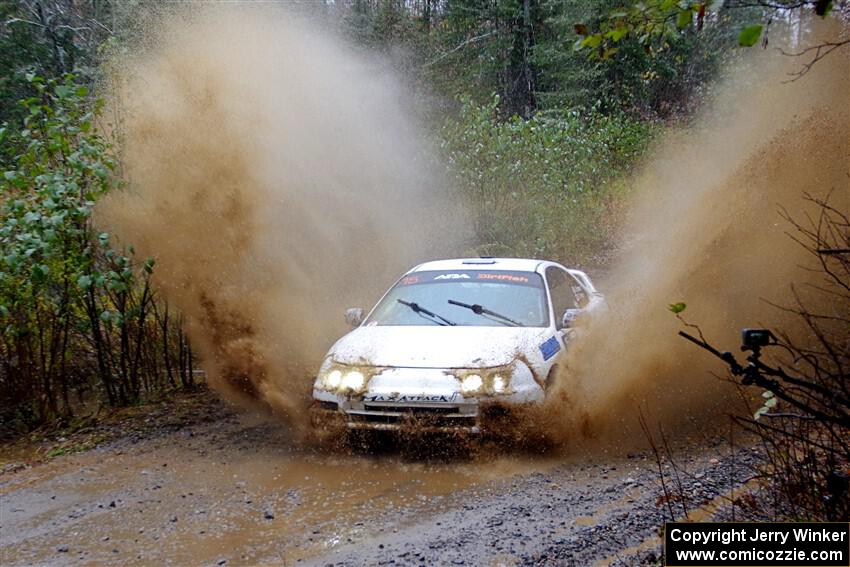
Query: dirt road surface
<point x="233" y="489"/>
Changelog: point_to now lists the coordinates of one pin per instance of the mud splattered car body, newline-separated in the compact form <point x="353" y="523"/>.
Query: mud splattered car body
<point x="451" y="338"/>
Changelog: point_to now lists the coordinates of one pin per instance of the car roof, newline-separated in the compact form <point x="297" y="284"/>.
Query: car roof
<point x="512" y="264"/>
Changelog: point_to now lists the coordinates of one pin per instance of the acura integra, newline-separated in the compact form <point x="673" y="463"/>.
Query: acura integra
<point x="451" y="340"/>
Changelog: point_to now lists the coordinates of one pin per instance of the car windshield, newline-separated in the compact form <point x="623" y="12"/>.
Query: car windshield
<point x="478" y="298"/>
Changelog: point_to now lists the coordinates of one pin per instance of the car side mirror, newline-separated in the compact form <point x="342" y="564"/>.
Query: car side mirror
<point x="354" y="316"/>
<point x="569" y="318"/>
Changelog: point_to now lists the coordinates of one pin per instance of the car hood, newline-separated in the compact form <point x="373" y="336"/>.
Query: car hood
<point x="438" y="346"/>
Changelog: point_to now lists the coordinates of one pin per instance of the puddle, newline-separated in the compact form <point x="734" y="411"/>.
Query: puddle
<point x="243" y="494"/>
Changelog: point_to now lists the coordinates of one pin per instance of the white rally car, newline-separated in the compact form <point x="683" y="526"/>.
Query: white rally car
<point x="450" y="339"/>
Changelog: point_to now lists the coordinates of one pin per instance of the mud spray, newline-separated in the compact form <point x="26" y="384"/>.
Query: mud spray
<point x="277" y="178"/>
<point x="706" y="230"/>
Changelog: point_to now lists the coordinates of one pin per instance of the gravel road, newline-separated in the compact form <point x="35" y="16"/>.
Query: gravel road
<point x="233" y="489"/>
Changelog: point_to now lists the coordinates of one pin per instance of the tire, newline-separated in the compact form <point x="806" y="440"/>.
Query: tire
<point x="550" y="378"/>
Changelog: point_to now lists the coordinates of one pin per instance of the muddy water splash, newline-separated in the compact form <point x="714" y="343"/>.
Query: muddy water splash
<point x="706" y="230"/>
<point x="277" y="178"/>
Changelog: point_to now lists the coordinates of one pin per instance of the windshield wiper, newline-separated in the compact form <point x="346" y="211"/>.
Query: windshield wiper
<point x="422" y="311"/>
<point x="481" y="310"/>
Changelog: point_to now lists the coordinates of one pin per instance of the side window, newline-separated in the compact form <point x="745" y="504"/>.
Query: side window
<point x="581" y="295"/>
<point x="561" y="289"/>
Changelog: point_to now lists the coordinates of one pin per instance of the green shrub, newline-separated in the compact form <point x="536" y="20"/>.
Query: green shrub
<point x="76" y="312"/>
<point x="544" y="186"/>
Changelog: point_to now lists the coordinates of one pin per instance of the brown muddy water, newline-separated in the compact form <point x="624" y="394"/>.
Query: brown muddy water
<point x="237" y="490"/>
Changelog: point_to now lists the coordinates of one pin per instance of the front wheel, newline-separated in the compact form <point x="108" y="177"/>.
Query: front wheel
<point x="550" y="379"/>
<point x="358" y="440"/>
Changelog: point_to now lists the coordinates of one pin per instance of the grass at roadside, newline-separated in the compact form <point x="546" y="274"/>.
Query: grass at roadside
<point x="169" y="412"/>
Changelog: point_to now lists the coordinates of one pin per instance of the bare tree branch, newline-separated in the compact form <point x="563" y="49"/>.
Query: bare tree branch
<point x="459" y="47"/>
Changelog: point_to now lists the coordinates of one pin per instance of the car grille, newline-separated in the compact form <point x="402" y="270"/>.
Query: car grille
<point x="448" y="416"/>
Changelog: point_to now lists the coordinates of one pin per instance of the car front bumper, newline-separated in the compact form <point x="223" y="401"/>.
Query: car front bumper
<point x="396" y="416"/>
<point x="425" y="400"/>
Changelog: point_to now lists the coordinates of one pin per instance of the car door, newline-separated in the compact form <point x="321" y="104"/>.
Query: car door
<point x="567" y="295"/>
<point x="562" y="292"/>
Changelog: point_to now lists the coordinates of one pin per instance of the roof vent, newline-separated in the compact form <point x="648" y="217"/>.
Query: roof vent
<point x="481" y="260"/>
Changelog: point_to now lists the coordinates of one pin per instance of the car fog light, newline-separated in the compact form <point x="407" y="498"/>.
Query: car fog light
<point x="333" y="379"/>
<point x="353" y="380"/>
<point x="498" y="384"/>
<point x="471" y="383"/>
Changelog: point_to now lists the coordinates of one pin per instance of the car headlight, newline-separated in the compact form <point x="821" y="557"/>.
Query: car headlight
<point x="341" y="379"/>
<point x="488" y="381"/>
<point x="471" y="383"/>
<point x="499" y="384"/>
<point x="353" y="380"/>
<point x="333" y="379"/>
